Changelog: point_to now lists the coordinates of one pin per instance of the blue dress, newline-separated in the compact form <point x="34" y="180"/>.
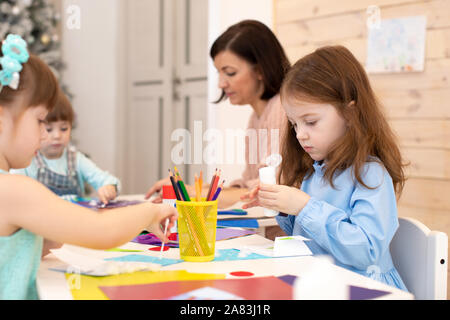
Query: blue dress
<point x="353" y="224"/>
<point x="20" y="257"/>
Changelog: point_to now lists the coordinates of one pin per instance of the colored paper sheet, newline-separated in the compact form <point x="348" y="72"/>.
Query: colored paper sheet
<point x="122" y="250"/>
<point x="97" y="204"/>
<point x="206" y="293"/>
<point x="291" y="246"/>
<point x="241" y="223"/>
<point x="235" y="254"/>
<point x="87" y="265"/>
<point x="359" y="293"/>
<point x="148" y="259"/>
<point x="259" y="288"/>
<point x="151" y="239"/>
<point x="87" y="288"/>
<point x="228" y="233"/>
<point x="289" y="279"/>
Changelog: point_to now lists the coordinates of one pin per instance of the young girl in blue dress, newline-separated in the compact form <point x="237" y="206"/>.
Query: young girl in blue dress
<point x="29" y="211"/>
<point x="342" y="171"/>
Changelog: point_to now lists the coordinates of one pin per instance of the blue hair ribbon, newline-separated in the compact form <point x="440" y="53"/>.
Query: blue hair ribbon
<point x="15" y="53"/>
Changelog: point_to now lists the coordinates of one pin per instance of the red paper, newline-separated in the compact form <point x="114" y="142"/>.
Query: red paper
<point x="262" y="288"/>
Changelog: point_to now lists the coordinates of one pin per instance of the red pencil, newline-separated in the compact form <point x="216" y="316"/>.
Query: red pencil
<point x="211" y="185"/>
<point x="214" y="187"/>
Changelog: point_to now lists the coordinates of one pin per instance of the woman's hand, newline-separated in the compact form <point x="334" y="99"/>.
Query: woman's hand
<point x="157" y="187"/>
<point x="161" y="212"/>
<point x="280" y="198"/>
<point x="107" y="193"/>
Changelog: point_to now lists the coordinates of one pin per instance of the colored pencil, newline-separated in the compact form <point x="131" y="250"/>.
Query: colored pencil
<point x="211" y="185"/>
<point x="214" y="187"/>
<point x="174" y="186"/>
<point x="216" y="195"/>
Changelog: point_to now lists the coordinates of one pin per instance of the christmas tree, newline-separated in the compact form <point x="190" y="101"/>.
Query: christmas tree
<point x="36" y="22"/>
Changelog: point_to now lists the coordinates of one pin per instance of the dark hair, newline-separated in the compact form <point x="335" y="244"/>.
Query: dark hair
<point x="62" y="111"/>
<point x="37" y="83"/>
<point x="254" y="42"/>
<point x="333" y="75"/>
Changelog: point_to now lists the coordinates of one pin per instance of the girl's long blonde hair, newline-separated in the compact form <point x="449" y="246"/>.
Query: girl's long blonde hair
<point x="332" y="75"/>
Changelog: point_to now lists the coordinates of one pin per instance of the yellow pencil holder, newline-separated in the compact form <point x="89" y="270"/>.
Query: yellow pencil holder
<point x="197" y="222"/>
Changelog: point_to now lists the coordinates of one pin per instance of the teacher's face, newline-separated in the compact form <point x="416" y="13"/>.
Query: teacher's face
<point x="239" y="80"/>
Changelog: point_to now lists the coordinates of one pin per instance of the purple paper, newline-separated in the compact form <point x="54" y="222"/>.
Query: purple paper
<point x="359" y="293"/>
<point x="228" y="233"/>
<point x="289" y="279"/>
<point x="151" y="239"/>
<point x="95" y="204"/>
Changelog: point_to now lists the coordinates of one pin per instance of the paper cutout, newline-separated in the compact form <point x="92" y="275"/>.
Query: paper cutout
<point x="242" y="223"/>
<point x="235" y="254"/>
<point x="122" y="250"/>
<point x="289" y="279"/>
<point x="97" y="204"/>
<point x="206" y="293"/>
<point x="242" y="274"/>
<point x="87" y="288"/>
<point x="228" y="233"/>
<point x="151" y="239"/>
<point x="146" y="259"/>
<point x="291" y="246"/>
<point x="359" y="293"/>
<point x="83" y="264"/>
<point x="159" y="248"/>
<point x="268" y="288"/>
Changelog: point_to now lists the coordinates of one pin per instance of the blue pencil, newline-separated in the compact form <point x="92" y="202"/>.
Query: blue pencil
<point x="216" y="195"/>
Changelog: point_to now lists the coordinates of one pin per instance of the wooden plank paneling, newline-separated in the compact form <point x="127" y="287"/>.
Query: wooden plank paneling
<point x="293" y="10"/>
<point x="415" y="103"/>
<point x="427" y="163"/>
<point x="426" y="193"/>
<point x="422" y="133"/>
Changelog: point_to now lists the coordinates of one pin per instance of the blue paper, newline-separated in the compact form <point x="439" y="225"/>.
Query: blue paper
<point x="142" y="258"/>
<point x="242" y="223"/>
<point x="233" y="254"/>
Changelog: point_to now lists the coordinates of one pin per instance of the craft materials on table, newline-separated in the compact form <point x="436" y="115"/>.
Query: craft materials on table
<point x="283" y="247"/>
<point x="97" y="204"/>
<point x="83" y="264"/>
<point x="269" y="288"/>
<point x="87" y="287"/>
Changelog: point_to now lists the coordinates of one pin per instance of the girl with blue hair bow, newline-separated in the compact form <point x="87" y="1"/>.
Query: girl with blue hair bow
<point x="30" y="212"/>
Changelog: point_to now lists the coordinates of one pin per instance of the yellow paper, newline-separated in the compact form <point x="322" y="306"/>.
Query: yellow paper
<point x="87" y="287"/>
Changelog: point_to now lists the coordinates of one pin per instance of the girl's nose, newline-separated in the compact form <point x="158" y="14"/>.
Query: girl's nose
<point x="301" y="134"/>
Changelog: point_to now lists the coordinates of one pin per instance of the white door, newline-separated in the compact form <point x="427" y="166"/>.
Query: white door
<point x="167" y="85"/>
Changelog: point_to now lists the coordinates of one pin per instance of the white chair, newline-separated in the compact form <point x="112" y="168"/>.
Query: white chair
<point x="420" y="256"/>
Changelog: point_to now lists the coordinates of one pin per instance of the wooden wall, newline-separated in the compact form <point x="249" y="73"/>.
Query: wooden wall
<point x="417" y="104"/>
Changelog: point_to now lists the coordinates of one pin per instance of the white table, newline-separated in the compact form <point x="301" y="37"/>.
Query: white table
<point x="52" y="284"/>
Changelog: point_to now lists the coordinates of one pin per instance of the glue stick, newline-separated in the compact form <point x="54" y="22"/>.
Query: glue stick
<point x="169" y="197"/>
<point x="267" y="176"/>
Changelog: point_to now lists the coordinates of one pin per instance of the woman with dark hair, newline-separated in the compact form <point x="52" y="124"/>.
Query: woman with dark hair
<point x="251" y="65"/>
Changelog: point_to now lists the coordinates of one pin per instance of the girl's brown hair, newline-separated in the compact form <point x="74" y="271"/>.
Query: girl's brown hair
<point x="254" y="42"/>
<point x="62" y="111"/>
<point x="37" y="85"/>
<point x="333" y="75"/>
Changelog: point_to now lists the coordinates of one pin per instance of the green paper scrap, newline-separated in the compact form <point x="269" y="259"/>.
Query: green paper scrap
<point x="122" y="250"/>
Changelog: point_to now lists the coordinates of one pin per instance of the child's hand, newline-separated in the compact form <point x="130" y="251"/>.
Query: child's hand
<point x="280" y="198"/>
<point x="107" y="193"/>
<point x="160" y="213"/>
<point x="157" y="187"/>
